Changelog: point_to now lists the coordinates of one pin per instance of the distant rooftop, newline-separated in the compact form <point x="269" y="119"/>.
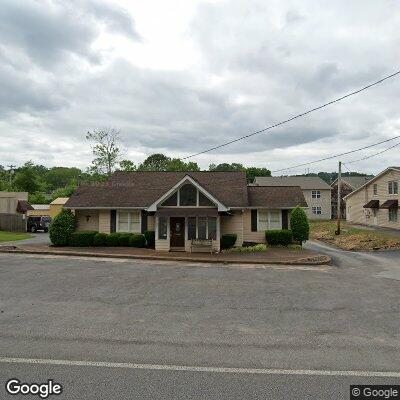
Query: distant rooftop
<point x="60" y="200"/>
<point x="354" y="181"/>
<point x="305" y="182"/>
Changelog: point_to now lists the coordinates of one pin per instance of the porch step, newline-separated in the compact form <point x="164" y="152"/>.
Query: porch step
<point x="177" y="249"/>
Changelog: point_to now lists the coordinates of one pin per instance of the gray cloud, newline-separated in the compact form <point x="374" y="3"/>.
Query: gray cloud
<point x="261" y="62"/>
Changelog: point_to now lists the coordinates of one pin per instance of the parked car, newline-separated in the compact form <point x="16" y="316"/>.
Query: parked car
<point x="38" y="223"/>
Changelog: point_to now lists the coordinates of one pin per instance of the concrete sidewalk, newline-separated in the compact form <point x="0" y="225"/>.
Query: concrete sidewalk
<point x="271" y="256"/>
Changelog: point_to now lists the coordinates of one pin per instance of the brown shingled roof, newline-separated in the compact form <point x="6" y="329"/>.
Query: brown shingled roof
<point x="141" y="189"/>
<point x="276" y="196"/>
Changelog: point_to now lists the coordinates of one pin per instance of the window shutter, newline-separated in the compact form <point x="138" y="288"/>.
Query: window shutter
<point x="113" y="221"/>
<point x="254" y="220"/>
<point x="144" y="221"/>
<point x="285" y="219"/>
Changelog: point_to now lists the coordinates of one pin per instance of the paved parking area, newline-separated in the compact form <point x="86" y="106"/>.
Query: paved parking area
<point x="326" y="318"/>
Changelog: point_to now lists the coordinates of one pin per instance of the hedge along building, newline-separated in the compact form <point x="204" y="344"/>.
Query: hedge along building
<point x="181" y="206"/>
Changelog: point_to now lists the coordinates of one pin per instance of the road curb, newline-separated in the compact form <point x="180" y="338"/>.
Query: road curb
<point x="317" y="260"/>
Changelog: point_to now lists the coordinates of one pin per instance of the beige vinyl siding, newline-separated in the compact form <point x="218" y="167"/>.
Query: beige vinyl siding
<point x="249" y="236"/>
<point x="87" y="220"/>
<point x="233" y="224"/>
<point x="324" y="202"/>
<point x="354" y="208"/>
<point x="354" y="203"/>
<point x="151" y="223"/>
<point x="104" y="221"/>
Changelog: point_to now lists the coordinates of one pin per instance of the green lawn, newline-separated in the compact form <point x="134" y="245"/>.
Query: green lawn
<point x="11" y="236"/>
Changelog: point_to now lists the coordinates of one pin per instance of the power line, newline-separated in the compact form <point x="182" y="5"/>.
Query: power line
<point x="373" y="155"/>
<point x="336" y="155"/>
<point x="294" y="117"/>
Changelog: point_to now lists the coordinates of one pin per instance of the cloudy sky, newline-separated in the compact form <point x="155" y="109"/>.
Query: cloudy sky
<point x="181" y="76"/>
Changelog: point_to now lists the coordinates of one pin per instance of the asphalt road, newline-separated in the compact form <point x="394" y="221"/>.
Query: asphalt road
<point x="287" y="329"/>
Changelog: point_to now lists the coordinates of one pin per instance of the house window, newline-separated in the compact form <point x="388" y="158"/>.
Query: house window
<point x="316" y="194"/>
<point x="204" y="201"/>
<point x="171" y="201"/>
<point x="262" y="220"/>
<point x="317" y="210"/>
<point x="393" y="187"/>
<point x="393" y="214"/>
<point x="191" y="228"/>
<point x="375" y="189"/>
<point x="202" y="228"/>
<point x="212" y="228"/>
<point x="275" y="219"/>
<point x="188" y="195"/>
<point x="162" y="227"/>
<point x="128" y="221"/>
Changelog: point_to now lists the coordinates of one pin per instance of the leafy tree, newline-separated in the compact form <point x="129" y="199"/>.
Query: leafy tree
<point x="299" y="225"/>
<point x="26" y="178"/>
<point x="252" y="172"/>
<point x="62" y="227"/>
<point x="58" y="177"/>
<point x="105" y="149"/>
<point x="226" y="167"/>
<point x="38" y="198"/>
<point x="176" y="164"/>
<point x="127" y="165"/>
<point x="155" y="162"/>
<point x="66" y="191"/>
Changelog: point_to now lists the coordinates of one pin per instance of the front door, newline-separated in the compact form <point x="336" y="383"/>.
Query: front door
<point x="177" y="231"/>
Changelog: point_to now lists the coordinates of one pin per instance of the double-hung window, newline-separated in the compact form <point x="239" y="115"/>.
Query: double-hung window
<point x="393" y="187"/>
<point x="375" y="189"/>
<point x="393" y="214"/>
<point x="317" y="210"/>
<point x="262" y="220"/>
<point x="128" y="221"/>
<point x="316" y="194"/>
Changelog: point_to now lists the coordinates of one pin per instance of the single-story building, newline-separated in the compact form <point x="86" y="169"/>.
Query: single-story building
<point x="376" y="202"/>
<point x="181" y="206"/>
<point x="50" y="210"/>
<point x="316" y="191"/>
<point x="347" y="185"/>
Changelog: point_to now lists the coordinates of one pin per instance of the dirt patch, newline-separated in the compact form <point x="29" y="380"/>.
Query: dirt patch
<point x="352" y="238"/>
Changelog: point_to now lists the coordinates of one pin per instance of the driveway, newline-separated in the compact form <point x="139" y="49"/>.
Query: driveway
<point x="38" y="238"/>
<point x="150" y="330"/>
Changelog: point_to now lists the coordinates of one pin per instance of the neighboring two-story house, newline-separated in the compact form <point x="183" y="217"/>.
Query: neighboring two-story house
<point x="376" y="202"/>
<point x="348" y="185"/>
<point x="317" y="192"/>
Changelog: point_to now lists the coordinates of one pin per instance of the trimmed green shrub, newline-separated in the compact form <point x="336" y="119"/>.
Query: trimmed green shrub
<point x="82" y="238"/>
<point x="100" y="239"/>
<point x="249" y="249"/>
<point x="124" y="239"/>
<point x="113" y="239"/>
<point x="299" y="225"/>
<point x="279" y="237"/>
<point x="62" y="227"/>
<point x="228" y="240"/>
<point x="137" y="240"/>
<point x="150" y="239"/>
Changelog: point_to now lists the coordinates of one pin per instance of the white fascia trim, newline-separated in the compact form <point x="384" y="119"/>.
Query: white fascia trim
<point x="263" y="208"/>
<point x="153" y="207"/>
<point x="105" y="208"/>
<point x="371" y="181"/>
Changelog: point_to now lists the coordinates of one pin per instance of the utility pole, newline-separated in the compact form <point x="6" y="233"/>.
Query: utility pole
<point x="11" y="171"/>
<point x="339" y="200"/>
